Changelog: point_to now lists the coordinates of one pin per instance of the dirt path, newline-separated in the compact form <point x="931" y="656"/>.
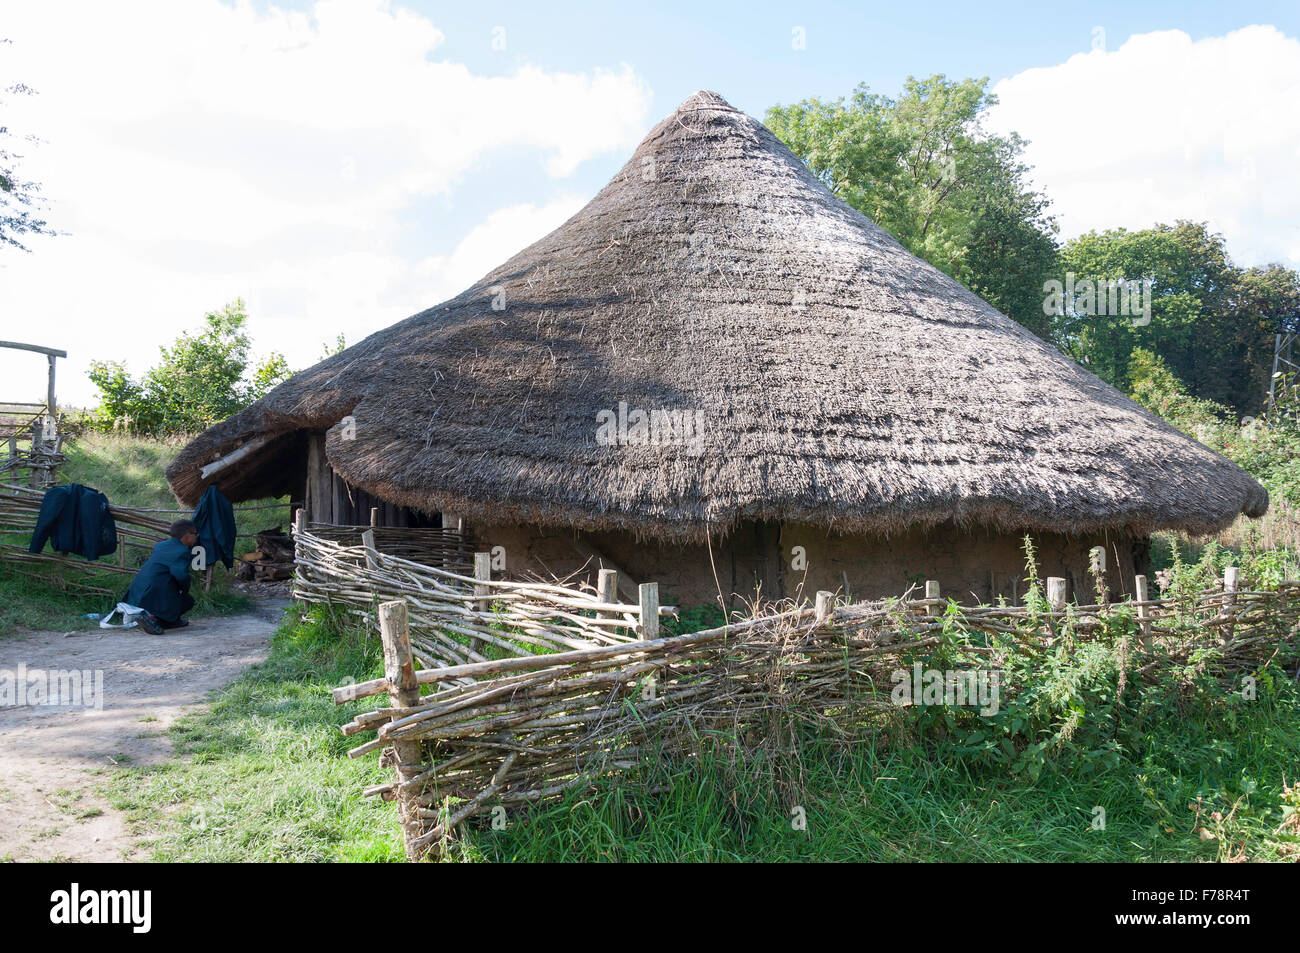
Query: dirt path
<point x="53" y="756"/>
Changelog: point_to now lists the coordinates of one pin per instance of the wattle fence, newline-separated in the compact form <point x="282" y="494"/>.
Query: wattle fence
<point x="528" y="690"/>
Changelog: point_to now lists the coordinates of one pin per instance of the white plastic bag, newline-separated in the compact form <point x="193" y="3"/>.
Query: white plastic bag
<point x="128" y="611"/>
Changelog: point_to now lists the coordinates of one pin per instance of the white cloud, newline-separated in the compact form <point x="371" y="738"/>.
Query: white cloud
<point x="1166" y="128"/>
<point x="197" y="151"/>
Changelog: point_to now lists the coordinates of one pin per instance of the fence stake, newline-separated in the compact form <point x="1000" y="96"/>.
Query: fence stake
<point x="1230" y="576"/>
<point x="932" y="592"/>
<point x="1097" y="565"/>
<point x="403" y="692"/>
<point x="1056" y="593"/>
<point x="482" y="570"/>
<point x="649" y="598"/>
<point x="825" y="606"/>
<point x="1144" y="612"/>
<point x="372" y="554"/>
<point x="607" y="590"/>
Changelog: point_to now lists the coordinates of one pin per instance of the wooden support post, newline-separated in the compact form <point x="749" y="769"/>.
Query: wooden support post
<point x="51" y="405"/>
<point x="607" y="590"/>
<point x="207" y="578"/>
<point x="1143" y="592"/>
<point x="932" y="592"/>
<point x="372" y="554"/>
<point x="1231" y="576"/>
<point x="648" y="597"/>
<point x="1056" y="593"/>
<point x="403" y="692"/>
<point x="320" y="486"/>
<point x="825" y="606"/>
<point x="374" y="516"/>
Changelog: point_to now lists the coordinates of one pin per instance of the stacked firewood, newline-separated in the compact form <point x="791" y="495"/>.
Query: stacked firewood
<point x="271" y="561"/>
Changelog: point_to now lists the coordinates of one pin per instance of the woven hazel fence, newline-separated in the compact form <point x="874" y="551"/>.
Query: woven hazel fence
<point x="445" y="548"/>
<point x="458" y="617"/>
<point x="545" y="716"/>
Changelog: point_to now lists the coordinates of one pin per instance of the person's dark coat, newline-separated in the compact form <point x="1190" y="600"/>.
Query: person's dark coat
<point x="75" y="519"/>
<point x="215" y="519"/>
<point x="162" y="586"/>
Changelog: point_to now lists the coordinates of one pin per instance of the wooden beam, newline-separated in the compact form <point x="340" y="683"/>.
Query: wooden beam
<point x="234" y="456"/>
<point x="52" y="352"/>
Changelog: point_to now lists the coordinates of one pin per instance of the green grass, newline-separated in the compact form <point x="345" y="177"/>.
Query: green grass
<point x="265" y="776"/>
<point x="128" y="470"/>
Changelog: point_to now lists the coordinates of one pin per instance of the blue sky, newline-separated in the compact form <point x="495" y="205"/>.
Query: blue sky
<point x="341" y="164"/>
<point x="745" y="52"/>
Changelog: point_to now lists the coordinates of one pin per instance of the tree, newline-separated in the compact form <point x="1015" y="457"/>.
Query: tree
<point x="1210" y="321"/>
<point x="20" y="199"/>
<point x="202" y="379"/>
<point x="922" y="168"/>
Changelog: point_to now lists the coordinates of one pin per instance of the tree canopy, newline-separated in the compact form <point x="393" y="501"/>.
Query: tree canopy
<point x="922" y="168"/>
<point x="203" y="378"/>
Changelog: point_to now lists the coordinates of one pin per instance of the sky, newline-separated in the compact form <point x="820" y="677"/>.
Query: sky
<point x="342" y="164"/>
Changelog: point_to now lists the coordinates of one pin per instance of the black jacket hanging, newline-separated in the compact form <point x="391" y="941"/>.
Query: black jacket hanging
<point x="215" y="519"/>
<point x="75" y="519"/>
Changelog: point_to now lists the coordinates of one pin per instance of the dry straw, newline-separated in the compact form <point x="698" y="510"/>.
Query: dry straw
<point x="841" y="380"/>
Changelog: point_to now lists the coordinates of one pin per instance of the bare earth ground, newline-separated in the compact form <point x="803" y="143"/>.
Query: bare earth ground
<point x="52" y="758"/>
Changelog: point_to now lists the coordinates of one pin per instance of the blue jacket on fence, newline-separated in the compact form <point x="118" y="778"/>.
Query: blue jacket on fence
<point x="162" y="586"/>
<point x="75" y="519"/>
<point x="215" y="519"/>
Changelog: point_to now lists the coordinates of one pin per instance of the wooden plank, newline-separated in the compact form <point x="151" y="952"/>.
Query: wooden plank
<point x="320" y="490"/>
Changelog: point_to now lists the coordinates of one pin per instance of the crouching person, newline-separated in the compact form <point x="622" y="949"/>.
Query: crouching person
<point x="162" y="586"/>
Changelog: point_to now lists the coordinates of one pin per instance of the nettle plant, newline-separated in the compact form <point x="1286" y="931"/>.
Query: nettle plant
<point x="1077" y="698"/>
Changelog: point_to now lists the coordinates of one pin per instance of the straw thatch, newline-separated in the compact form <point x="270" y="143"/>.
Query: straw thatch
<point x="841" y="380"/>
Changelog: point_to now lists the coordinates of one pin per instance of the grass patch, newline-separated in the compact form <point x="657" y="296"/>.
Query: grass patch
<point x="263" y="774"/>
<point x="1189" y="791"/>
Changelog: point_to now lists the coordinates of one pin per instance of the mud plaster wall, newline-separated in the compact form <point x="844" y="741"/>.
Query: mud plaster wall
<point x="971" y="566"/>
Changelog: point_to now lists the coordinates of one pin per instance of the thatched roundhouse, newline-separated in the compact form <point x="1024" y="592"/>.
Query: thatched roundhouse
<point x="714" y="362"/>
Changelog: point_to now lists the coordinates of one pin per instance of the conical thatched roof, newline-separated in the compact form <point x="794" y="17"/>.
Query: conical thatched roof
<point x="838" y="379"/>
